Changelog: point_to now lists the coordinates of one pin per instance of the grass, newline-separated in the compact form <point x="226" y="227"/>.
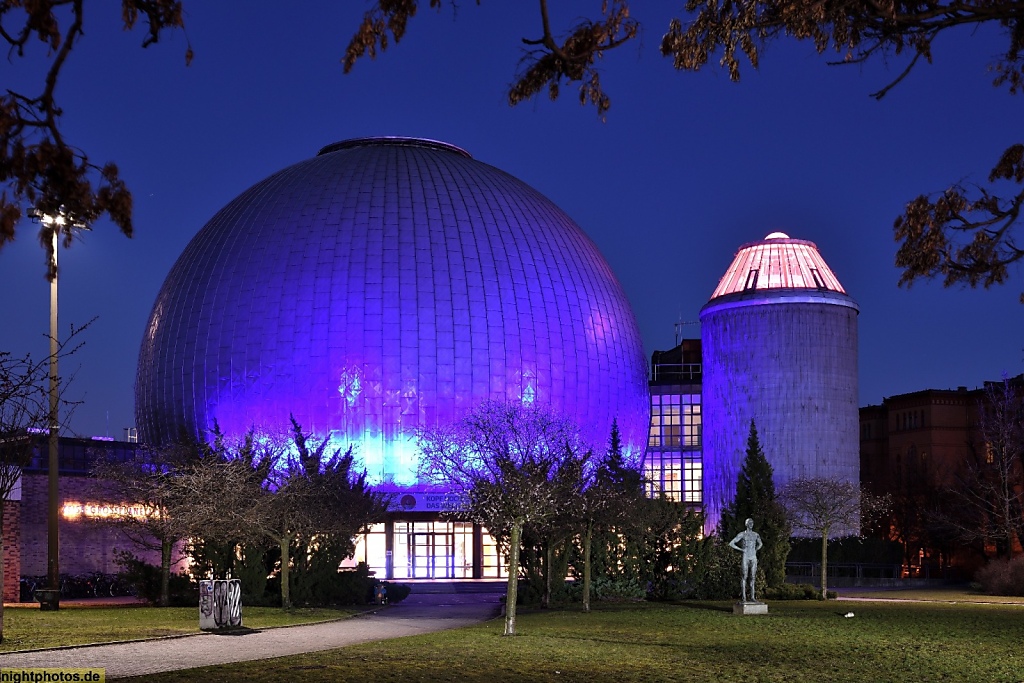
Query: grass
<point x="952" y="594"/>
<point x="798" y="642"/>
<point x="30" y="629"/>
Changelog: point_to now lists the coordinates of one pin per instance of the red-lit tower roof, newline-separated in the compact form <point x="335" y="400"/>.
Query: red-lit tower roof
<point x="777" y="262"/>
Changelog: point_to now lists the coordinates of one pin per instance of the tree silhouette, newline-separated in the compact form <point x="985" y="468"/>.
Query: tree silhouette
<point x="964" y="234"/>
<point x="507" y="464"/>
<point x="828" y="508"/>
<point x="755" y="499"/>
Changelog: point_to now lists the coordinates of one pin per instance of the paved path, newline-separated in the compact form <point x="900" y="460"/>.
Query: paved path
<point x="419" y="613"/>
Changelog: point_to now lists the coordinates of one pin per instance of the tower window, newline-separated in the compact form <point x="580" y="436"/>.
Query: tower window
<point x="816" y="276"/>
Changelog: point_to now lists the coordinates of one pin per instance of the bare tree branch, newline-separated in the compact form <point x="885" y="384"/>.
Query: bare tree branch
<point x="988" y="489"/>
<point x="39" y="169"/>
<point x="962" y="239"/>
<point x="508" y="465"/>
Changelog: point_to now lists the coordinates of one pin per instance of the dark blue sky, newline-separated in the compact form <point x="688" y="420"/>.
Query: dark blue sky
<point x="686" y="168"/>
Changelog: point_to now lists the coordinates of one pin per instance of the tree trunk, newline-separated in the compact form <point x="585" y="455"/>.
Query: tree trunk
<point x="2" y="577"/>
<point x="824" y="564"/>
<point x="1008" y="495"/>
<point x="1017" y="514"/>
<point x="166" y="546"/>
<point x="588" y="538"/>
<point x="286" y="598"/>
<point x="549" y="556"/>
<point x="511" y="593"/>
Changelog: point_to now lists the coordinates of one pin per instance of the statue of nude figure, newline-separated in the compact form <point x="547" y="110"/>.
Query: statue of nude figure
<point x="748" y="542"/>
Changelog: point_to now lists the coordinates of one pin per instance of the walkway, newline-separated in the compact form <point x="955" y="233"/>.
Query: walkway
<point x="419" y="613"/>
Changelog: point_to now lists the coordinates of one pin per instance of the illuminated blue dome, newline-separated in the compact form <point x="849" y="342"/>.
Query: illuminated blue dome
<point x="385" y="285"/>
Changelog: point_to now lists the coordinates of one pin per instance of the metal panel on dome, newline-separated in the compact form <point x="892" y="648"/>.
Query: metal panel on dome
<point x="385" y="285"/>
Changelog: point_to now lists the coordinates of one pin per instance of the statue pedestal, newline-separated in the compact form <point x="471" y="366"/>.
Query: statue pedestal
<point x="750" y="608"/>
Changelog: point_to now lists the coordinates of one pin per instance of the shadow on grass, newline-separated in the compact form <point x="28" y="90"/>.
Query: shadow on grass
<point x="703" y="606"/>
<point x="242" y="631"/>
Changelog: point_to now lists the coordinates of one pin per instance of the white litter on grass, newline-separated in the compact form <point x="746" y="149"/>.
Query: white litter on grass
<point x="848" y="615"/>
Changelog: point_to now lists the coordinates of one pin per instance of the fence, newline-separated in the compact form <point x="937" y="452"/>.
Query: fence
<point x="846" y="575"/>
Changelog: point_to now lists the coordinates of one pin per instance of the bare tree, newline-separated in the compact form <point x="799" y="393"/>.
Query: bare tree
<point x="225" y="492"/>
<point x="149" y="482"/>
<point x="317" y="498"/>
<point x="504" y="462"/>
<point x="829" y="508"/>
<point x="256" y="491"/>
<point x="16" y="445"/>
<point x="24" y="413"/>
<point x="988" y="491"/>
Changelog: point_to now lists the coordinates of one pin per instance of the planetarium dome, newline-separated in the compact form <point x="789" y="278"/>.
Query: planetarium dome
<point x="384" y="285"/>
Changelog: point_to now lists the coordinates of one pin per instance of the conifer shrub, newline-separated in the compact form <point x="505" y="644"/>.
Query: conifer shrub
<point x="1002" y="577"/>
<point x="795" y="591"/>
<point x="144" y="580"/>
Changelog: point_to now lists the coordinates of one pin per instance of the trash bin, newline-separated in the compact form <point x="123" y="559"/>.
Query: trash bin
<point x="220" y="604"/>
<point x="49" y="598"/>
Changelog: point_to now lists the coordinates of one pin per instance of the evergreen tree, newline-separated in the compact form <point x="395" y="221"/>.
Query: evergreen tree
<point x="756" y="499"/>
<point x="609" y="511"/>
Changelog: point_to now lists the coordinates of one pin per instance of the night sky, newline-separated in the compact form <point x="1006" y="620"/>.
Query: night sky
<point x="686" y="169"/>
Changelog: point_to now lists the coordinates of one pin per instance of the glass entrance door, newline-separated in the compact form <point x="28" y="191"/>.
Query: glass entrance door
<point x="432" y="555"/>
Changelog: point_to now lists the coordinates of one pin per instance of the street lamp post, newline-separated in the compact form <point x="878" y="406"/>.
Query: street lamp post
<point x="53" y="472"/>
<point x="55" y="224"/>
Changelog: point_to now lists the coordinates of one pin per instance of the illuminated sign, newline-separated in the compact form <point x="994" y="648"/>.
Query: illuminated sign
<point x="418" y="500"/>
<point x="75" y="511"/>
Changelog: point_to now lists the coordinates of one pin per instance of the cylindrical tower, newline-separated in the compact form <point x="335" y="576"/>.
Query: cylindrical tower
<point x="779" y="339"/>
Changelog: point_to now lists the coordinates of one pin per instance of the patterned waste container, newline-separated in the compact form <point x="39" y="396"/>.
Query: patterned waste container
<point x="220" y="604"/>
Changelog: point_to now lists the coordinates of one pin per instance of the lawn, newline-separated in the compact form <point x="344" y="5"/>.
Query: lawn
<point x="797" y="642"/>
<point x="951" y="594"/>
<point x="29" y="629"/>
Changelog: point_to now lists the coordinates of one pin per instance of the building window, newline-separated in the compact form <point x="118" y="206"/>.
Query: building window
<point x="676" y="476"/>
<point x="673" y="465"/>
<point x="675" y="421"/>
<point x="816" y="276"/>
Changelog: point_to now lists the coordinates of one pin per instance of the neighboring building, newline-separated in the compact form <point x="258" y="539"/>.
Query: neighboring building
<point x="779" y="339"/>
<point x="913" y="447"/>
<point x="386" y="285"/>
<point x="87" y="545"/>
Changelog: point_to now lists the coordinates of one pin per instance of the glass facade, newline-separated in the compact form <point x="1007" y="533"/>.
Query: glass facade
<point x="429" y="549"/>
<point x="673" y="465"/>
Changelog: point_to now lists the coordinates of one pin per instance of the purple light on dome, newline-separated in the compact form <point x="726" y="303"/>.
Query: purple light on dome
<point x="384" y="285"/>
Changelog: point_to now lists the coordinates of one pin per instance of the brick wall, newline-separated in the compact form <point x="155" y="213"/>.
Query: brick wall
<point x="12" y="549"/>
<point x="86" y="545"/>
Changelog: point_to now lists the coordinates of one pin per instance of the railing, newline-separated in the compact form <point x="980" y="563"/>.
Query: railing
<point x="873" y="574"/>
<point x="841" y="574"/>
<point x="681" y="372"/>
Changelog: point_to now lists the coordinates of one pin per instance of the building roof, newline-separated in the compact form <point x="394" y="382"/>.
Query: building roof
<point x="777" y="262"/>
